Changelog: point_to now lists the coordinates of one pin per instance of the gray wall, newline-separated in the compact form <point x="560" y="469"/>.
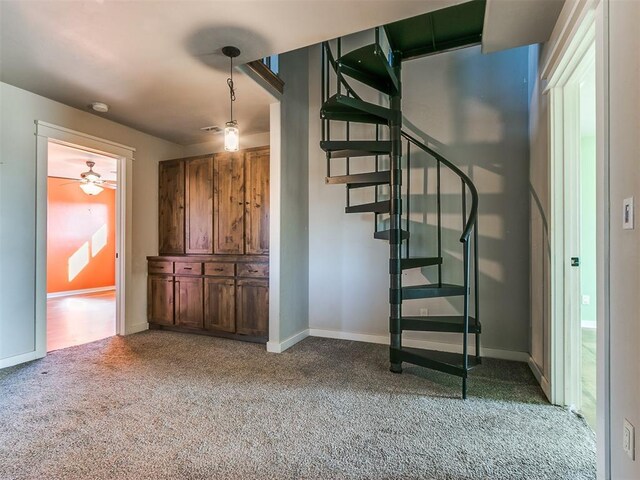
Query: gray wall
<point x="294" y="194"/>
<point x="624" y="78"/>
<point x="19" y="110"/>
<point x="474" y="109"/>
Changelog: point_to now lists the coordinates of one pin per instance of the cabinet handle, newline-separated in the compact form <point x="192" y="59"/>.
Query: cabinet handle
<point x="177" y="303"/>
<point x="187" y="268"/>
<point x="218" y="269"/>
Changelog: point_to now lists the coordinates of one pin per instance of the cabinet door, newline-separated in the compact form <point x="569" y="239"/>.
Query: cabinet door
<point x="220" y="304"/>
<point x="160" y="299"/>
<point x="199" y="205"/>
<point x="228" y="217"/>
<point x="171" y="207"/>
<point x="257" y="202"/>
<point x="189" y="302"/>
<point x="253" y="307"/>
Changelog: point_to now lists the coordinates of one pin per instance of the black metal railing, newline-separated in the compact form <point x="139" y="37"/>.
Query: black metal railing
<point x="469" y="227"/>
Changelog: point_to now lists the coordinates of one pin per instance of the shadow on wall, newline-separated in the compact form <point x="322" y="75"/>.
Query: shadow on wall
<point x="475" y="110"/>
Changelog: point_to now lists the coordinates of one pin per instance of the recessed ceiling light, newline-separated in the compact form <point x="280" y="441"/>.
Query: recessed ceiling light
<point x="100" y="107"/>
<point x="212" y="129"/>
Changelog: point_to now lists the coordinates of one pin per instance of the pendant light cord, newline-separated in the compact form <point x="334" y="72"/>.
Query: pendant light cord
<point x="232" y="92"/>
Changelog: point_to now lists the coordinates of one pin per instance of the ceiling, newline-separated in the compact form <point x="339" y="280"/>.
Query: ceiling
<point x="158" y="63"/>
<point x="511" y="23"/>
<point x="68" y="162"/>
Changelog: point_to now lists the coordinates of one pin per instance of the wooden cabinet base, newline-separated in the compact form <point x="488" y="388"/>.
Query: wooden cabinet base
<point x="210" y="333"/>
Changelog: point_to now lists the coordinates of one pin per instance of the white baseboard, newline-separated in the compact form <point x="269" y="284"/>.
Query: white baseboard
<point x="136" y="327"/>
<point x="279" y="347"/>
<point x="18" y="359"/>
<point x="542" y="380"/>
<point x="80" y="292"/>
<point x="413" y="343"/>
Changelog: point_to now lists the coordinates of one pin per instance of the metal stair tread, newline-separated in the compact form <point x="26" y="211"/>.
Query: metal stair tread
<point x="448" y="362"/>
<point x="375" y="207"/>
<point x="348" y="109"/>
<point x="355" y="148"/>
<point x="418" y="262"/>
<point x="361" y="179"/>
<point x="439" y="323"/>
<point x="432" y="291"/>
<point x="386" y="234"/>
<point x="369" y="65"/>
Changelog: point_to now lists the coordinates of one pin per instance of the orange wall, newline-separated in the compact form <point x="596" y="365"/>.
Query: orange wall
<point x="78" y="225"/>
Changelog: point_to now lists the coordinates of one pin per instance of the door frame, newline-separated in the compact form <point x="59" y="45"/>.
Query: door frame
<point x="587" y="26"/>
<point x="565" y="240"/>
<point x="124" y="155"/>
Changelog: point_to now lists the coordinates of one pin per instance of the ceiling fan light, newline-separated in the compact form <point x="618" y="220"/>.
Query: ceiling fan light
<point x="231" y="137"/>
<point x="91" y="188"/>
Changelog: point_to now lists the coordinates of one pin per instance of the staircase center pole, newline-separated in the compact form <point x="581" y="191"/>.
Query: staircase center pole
<point x="395" y="237"/>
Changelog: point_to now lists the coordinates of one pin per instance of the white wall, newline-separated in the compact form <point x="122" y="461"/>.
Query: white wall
<point x="474" y="109"/>
<point x="624" y="155"/>
<point x="19" y="110"/>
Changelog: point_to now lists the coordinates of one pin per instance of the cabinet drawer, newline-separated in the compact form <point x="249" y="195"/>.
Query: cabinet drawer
<point x="160" y="267"/>
<point x="219" y="269"/>
<point x="253" y="270"/>
<point x="188" y="268"/>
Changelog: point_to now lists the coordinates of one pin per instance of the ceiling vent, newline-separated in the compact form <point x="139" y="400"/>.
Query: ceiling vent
<point x="212" y="129"/>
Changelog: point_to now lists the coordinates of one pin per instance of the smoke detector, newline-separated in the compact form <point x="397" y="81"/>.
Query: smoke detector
<point x="99" y="107"/>
<point x="211" y="129"/>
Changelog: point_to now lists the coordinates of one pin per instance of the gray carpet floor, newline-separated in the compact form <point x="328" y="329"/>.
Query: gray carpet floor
<point x="161" y="405"/>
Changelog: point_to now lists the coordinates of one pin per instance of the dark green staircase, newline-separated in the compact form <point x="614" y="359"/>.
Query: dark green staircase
<point x="380" y="68"/>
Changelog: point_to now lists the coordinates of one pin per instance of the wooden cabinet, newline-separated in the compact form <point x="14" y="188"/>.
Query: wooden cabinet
<point x="228" y="220"/>
<point x="253" y="307"/>
<point x="220" y="304"/>
<point x="160" y="299"/>
<point x="257" y="202"/>
<point x="189" y="302"/>
<point x="171" y="207"/>
<point x="199" y="205"/>
<point x="211" y="276"/>
<point x="217" y="295"/>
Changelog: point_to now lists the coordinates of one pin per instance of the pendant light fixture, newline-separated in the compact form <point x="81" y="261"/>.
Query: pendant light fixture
<point x="231" y="132"/>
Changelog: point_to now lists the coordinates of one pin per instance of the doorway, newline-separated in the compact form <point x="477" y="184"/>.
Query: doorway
<point x="575" y="249"/>
<point x="81" y="246"/>
<point x="580" y="227"/>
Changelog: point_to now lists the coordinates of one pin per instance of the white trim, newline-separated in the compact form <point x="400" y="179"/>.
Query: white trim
<point x="45" y="133"/>
<point x="275" y="347"/>
<point x="559" y="47"/>
<point x="542" y="380"/>
<point x="45" y="129"/>
<point x="18" y="359"/>
<point x="415" y="343"/>
<point x="84" y="291"/>
<point x="136" y="328"/>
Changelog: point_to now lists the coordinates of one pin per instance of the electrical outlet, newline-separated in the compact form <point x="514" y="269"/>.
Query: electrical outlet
<point x="424" y="312"/>
<point x="629" y="439"/>
<point x="586" y="300"/>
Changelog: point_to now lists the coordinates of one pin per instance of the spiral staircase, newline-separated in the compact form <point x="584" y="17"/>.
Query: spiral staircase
<point x="379" y="66"/>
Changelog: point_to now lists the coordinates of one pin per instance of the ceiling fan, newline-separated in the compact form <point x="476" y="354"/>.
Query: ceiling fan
<point x="91" y="182"/>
